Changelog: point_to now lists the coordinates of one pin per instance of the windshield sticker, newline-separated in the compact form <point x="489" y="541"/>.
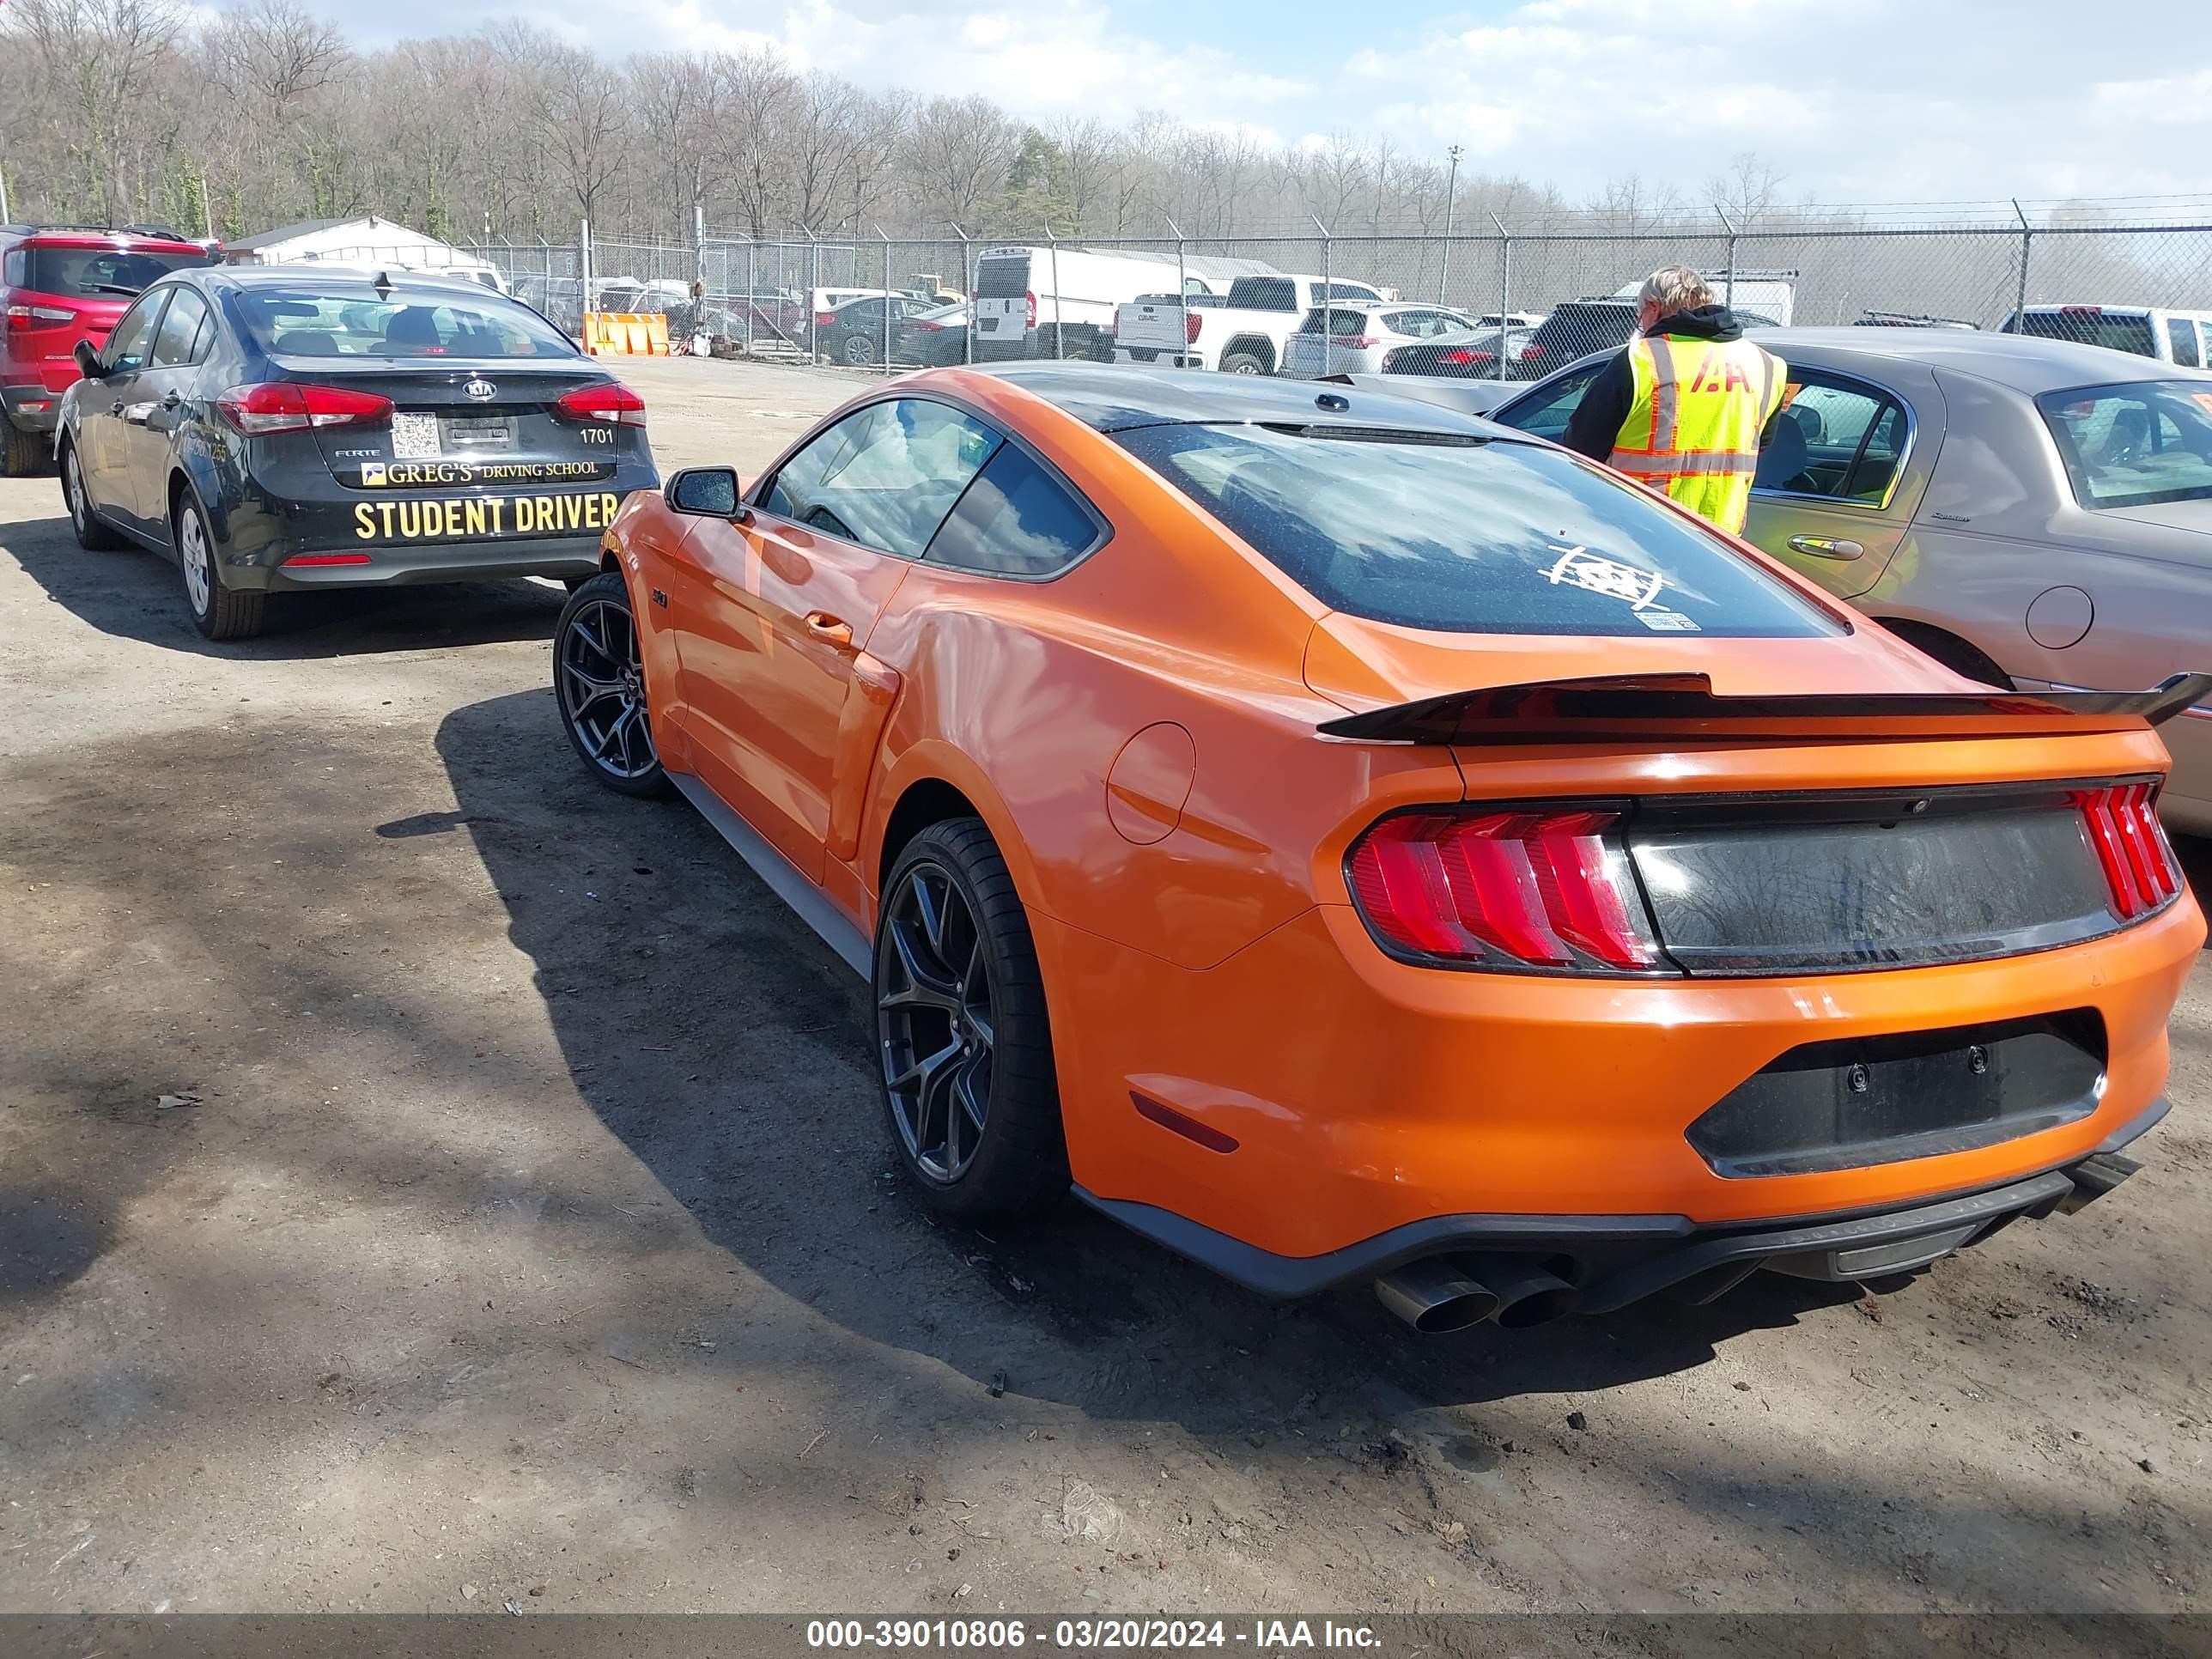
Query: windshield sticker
<point x="1659" y="620"/>
<point x="1580" y="568"/>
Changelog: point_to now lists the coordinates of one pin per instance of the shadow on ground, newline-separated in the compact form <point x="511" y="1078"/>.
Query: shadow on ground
<point x="730" y="1051"/>
<point x="136" y="595"/>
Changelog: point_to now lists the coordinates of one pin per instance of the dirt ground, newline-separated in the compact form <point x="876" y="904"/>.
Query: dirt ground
<point x="528" y="1235"/>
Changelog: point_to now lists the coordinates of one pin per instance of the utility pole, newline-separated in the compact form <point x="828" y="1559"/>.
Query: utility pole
<point x="1451" y="191"/>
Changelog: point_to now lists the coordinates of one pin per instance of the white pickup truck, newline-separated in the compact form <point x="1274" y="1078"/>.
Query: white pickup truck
<point x="1242" y="334"/>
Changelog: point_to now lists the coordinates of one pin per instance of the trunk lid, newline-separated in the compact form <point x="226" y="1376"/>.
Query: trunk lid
<point x="464" y="421"/>
<point x="1893" y="819"/>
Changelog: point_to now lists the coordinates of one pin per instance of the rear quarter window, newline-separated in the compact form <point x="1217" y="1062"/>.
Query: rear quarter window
<point x="2134" y="445"/>
<point x="1470" y="536"/>
<point x="1015" y="519"/>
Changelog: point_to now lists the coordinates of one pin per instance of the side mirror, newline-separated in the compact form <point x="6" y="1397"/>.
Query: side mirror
<point x="87" y="361"/>
<point x="707" y="492"/>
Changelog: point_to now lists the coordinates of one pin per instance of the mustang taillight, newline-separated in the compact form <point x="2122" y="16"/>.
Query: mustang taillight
<point x="2121" y="821"/>
<point x="1550" y="890"/>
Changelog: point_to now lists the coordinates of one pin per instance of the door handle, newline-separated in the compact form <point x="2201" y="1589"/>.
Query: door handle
<point x="170" y="400"/>
<point x="116" y="408"/>
<point x="1825" y="547"/>
<point x="830" y="630"/>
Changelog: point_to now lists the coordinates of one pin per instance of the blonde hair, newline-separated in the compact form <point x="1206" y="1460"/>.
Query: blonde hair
<point x="1673" y="289"/>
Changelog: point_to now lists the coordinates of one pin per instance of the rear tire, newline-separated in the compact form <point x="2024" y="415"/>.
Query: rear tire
<point x="1242" y="363"/>
<point x="219" y="612"/>
<point x="964" y="1044"/>
<point x="93" y="534"/>
<point x="859" y="350"/>
<point x="598" y="682"/>
<point x="27" y="452"/>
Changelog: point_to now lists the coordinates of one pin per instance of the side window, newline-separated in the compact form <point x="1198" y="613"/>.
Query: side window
<point x="1840" y="439"/>
<point x="1547" y="416"/>
<point x="13" y="266"/>
<point x="1016" y="520"/>
<point x="884" y="476"/>
<point x="177" y="344"/>
<point x="129" y="347"/>
<point x="2181" y="331"/>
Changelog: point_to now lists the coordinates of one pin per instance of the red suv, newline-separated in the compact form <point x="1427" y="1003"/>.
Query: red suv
<point x="60" y="284"/>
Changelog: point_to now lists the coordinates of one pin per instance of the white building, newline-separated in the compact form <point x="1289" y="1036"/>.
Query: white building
<point x="366" y="241"/>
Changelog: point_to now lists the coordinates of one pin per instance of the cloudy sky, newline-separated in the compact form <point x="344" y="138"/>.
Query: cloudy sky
<point x="1875" y="100"/>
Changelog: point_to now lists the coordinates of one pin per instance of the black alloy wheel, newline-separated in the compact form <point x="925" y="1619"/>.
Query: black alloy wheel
<point x="965" y="1045"/>
<point x="598" y="676"/>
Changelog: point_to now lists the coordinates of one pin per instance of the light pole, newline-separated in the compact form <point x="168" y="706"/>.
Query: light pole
<point x="1451" y="190"/>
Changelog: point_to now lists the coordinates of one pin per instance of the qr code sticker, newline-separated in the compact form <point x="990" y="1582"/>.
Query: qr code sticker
<point x="1667" y="621"/>
<point x="415" y="437"/>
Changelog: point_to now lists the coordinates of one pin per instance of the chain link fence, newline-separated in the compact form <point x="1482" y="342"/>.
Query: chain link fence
<point x="1494" y="303"/>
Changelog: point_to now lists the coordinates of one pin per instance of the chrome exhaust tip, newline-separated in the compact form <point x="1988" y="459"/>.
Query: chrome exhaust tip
<point x="1436" y="1295"/>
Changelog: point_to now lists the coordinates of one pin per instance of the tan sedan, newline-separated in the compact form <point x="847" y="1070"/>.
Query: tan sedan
<point x="2034" y="513"/>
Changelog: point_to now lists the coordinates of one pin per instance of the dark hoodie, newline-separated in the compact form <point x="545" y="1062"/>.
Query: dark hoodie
<point x="1595" y="427"/>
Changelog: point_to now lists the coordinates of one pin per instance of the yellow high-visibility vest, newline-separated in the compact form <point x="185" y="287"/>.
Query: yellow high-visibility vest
<point x="1693" y="428"/>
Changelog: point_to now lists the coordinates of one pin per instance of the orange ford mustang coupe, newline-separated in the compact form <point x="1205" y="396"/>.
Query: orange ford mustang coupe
<point x="1343" y="839"/>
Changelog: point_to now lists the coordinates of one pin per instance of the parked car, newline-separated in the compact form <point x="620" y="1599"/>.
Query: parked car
<point x="1605" y="323"/>
<point x="934" y="337"/>
<point x="1381" y="739"/>
<point x="1241" y="332"/>
<point x="276" y="428"/>
<point x="1354" y="339"/>
<point x="2029" y="512"/>
<point x="1065" y="302"/>
<point x="2183" y="338"/>
<point x="60" y="284"/>
<point x="1471" y="354"/>
<point x="857" y="329"/>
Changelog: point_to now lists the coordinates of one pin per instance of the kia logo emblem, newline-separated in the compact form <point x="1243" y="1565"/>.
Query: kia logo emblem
<point x="482" y="391"/>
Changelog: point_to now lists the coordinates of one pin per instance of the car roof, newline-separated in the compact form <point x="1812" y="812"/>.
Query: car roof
<point x="1111" y="398"/>
<point x="93" y="236"/>
<point x="2025" y="362"/>
<point x="341" y="279"/>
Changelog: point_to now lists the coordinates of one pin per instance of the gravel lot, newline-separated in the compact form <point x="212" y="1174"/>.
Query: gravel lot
<point x="529" y="1237"/>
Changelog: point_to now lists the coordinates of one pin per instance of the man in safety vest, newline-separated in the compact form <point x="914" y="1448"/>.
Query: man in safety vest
<point x="1683" y="407"/>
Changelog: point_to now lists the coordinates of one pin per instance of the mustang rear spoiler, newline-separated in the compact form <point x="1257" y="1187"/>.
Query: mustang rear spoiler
<point x="1615" y="707"/>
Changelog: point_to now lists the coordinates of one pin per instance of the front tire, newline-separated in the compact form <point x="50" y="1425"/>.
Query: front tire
<point x="219" y="612"/>
<point x="93" y="534"/>
<point x="598" y="681"/>
<point x="26" y="453"/>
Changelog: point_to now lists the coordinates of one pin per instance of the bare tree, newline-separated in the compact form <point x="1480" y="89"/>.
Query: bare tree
<point x="959" y="151"/>
<point x="271" y="53"/>
<point x="98" y="56"/>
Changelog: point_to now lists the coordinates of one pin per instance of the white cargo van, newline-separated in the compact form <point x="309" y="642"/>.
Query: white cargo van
<point x="1060" y="302"/>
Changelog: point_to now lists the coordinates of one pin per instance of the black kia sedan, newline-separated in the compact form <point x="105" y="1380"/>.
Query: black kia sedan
<point x="280" y="428"/>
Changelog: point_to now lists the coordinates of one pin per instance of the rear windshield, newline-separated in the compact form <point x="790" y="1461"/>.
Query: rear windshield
<point x="1004" y="278"/>
<point x="2132" y="446"/>
<point x="94" y="273"/>
<point x="1336" y="321"/>
<point x="1469" y="536"/>
<point x="1264" y="293"/>
<point x="2087" y="326"/>
<point x="300" y="324"/>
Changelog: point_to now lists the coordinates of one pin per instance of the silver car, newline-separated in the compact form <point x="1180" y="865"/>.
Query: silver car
<point x="2032" y="512"/>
